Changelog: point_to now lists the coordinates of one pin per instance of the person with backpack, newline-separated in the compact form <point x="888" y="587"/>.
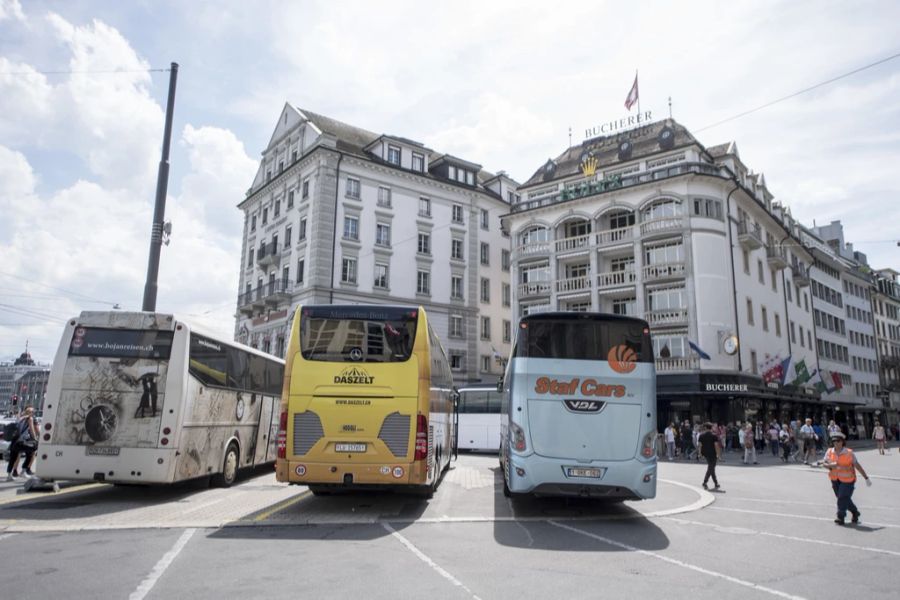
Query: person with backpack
<point x="24" y="440"/>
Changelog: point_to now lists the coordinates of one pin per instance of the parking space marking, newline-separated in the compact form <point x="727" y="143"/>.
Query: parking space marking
<point x="789" y="537"/>
<point x="424" y="558"/>
<point x="281" y="506"/>
<point x="4" y="536"/>
<point x="793" y="516"/>
<point x="147" y="584"/>
<point x="45" y="495"/>
<point x="679" y="563"/>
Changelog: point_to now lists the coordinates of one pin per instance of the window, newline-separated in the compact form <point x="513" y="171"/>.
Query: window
<point x="793" y="333"/>
<point x="265" y="218"/>
<point x="706" y="207"/>
<point x="302" y="233"/>
<point x="485" y="363"/>
<point x="294" y="156"/>
<point x="621" y="219"/>
<point x="470" y="177"/>
<point x="280" y="166"/>
<point x="300" y="271"/>
<point x="801" y="336"/>
<point x="666" y="299"/>
<point x="384" y="196"/>
<point x="353" y="188"/>
<point x="506" y="294"/>
<point x="759" y="269"/>
<point x="456" y="287"/>
<point x="381" y="276"/>
<point x="305" y="189"/>
<point x="754" y="367"/>
<point x="253" y="223"/>
<point x="277" y="208"/>
<point x="787" y="291"/>
<point x="746" y="262"/>
<point x="485" y="328"/>
<point x="348" y="270"/>
<point x="749" y="311"/>
<point x="777" y="325"/>
<point x="664" y="254"/>
<point x="809" y="338"/>
<point x="250" y="258"/>
<point x="625" y="306"/>
<point x="393" y="156"/>
<point x="456" y="326"/>
<point x="504" y="260"/>
<point x="765" y="318"/>
<point x="382" y="234"/>
<point x="774" y="281"/>
<point x="485" y="219"/>
<point x="507" y="329"/>
<point x="287" y="236"/>
<point x="485" y="254"/>
<point x="456" y="249"/>
<point x="268" y="176"/>
<point x="456" y="361"/>
<point x="485" y="289"/>
<point x="424" y="207"/>
<point x="351" y="228"/>
<point x="424" y="243"/>
<point x="806" y="302"/>
<point x="418" y="162"/>
<point x="290" y="203"/>
<point x="451" y="172"/>
<point x="285" y="278"/>
<point x="457" y="213"/>
<point x="423" y="282"/>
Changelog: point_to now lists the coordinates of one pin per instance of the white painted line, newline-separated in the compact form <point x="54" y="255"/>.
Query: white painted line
<point x="790" y="537"/>
<point x="827" y="504"/>
<point x="421" y="555"/>
<point x="147" y="584"/>
<point x="706" y="498"/>
<point x="4" y="536"/>
<point x="820" y="470"/>
<point x="680" y="563"/>
<point x="203" y="505"/>
<point x="792" y="516"/>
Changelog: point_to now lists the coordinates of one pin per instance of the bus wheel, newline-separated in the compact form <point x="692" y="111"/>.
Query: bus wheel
<point x="506" y="491"/>
<point x="229" y="468"/>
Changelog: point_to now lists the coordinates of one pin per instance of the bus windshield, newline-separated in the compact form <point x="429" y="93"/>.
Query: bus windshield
<point x="581" y="337"/>
<point x="358" y="334"/>
<point x="121" y="343"/>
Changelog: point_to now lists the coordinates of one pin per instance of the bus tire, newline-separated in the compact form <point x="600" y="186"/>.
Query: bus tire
<point x="506" y="491"/>
<point x="229" y="468"/>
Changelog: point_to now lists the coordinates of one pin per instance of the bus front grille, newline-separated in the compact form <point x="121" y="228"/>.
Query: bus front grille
<point x="307" y="431"/>
<point x="395" y="433"/>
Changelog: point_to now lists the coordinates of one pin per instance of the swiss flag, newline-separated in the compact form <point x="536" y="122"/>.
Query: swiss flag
<point x="633" y="94"/>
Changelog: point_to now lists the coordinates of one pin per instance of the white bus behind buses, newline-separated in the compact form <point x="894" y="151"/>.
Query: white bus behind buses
<point x="579" y="408"/>
<point x="145" y="398"/>
<point x="479" y="418"/>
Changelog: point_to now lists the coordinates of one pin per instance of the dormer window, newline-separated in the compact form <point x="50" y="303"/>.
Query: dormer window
<point x="451" y="172"/>
<point x="393" y="155"/>
<point x="418" y="162"/>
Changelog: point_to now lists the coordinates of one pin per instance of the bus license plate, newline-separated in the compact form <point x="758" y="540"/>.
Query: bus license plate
<point x="584" y="472"/>
<point x="102" y="451"/>
<point x="350" y="447"/>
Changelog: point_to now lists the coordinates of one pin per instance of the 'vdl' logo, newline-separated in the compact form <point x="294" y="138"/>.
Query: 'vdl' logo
<point x="588" y="406"/>
<point x="355" y="376"/>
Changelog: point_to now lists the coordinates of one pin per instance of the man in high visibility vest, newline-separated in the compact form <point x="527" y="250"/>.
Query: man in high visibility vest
<point x="842" y="465"/>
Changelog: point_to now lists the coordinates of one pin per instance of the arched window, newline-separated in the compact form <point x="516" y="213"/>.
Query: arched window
<point x="661" y="209"/>
<point x="534" y="235"/>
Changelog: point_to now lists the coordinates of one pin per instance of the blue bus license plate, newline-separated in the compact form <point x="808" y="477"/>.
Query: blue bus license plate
<point x="584" y="472"/>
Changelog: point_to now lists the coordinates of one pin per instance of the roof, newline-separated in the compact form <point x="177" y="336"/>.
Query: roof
<point x="349" y="138"/>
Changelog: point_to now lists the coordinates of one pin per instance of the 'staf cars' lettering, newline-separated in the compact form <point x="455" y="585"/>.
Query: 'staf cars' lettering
<point x="589" y="387"/>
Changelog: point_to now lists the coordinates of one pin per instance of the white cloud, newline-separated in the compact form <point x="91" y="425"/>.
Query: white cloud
<point x="11" y="9"/>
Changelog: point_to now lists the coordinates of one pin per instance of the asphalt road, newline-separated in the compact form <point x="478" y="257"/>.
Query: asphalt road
<point x="770" y="534"/>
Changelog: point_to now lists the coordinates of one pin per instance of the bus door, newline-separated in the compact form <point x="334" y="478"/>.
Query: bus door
<point x="264" y="435"/>
<point x="455" y="396"/>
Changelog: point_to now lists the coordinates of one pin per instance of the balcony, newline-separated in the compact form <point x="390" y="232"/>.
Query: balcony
<point x="662" y="226"/>
<point x="277" y="291"/>
<point x="677" y="363"/>
<point x="750" y="235"/>
<point x="534" y="288"/>
<point x="668" y="317"/>
<point x="537" y="309"/>
<point x="532" y="249"/>
<point x="573" y="244"/>
<point x="615" y="279"/>
<point x="573" y="285"/>
<point x="777" y="257"/>
<point x="615" y="237"/>
<point x="663" y="271"/>
<point x="800" y="275"/>
<point x="269" y="254"/>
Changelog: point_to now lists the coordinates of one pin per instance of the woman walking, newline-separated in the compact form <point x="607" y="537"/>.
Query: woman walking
<point x="879" y="436"/>
<point x="842" y="466"/>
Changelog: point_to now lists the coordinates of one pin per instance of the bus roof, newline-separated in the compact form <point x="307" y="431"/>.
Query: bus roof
<point x="575" y="316"/>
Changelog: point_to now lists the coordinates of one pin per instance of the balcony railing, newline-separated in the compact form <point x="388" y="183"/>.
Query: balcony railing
<point x="533" y="248"/>
<point x="659" y="272"/>
<point x="800" y="275"/>
<point x="749" y="235"/>
<point x="541" y="308"/>
<point x="671" y="316"/>
<point x="534" y="288"/>
<point x="662" y="225"/>
<point x="777" y="257"/>
<point x="614" y="279"/>
<point x="573" y="284"/>
<point x="612" y="237"/>
<point x="678" y="363"/>
<point x="277" y="291"/>
<point x="581" y="242"/>
<point x="268" y="254"/>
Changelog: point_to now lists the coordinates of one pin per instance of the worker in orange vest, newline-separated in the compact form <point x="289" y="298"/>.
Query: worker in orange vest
<point x="842" y="465"/>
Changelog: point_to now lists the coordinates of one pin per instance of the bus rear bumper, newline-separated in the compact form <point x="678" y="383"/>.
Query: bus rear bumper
<point x="620" y="480"/>
<point x="130" y="465"/>
<point x="351" y="475"/>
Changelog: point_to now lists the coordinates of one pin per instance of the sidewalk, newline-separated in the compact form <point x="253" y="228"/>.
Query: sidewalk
<point x="765" y="458"/>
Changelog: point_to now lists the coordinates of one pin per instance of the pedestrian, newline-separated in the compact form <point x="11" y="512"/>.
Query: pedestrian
<point x="878" y="435"/>
<point x="842" y="465"/>
<point x="808" y="441"/>
<point x="785" y="438"/>
<point x="695" y="440"/>
<point x="709" y="448"/>
<point x="721" y="433"/>
<point x="773" y="438"/>
<point x="749" y="445"/>
<point x="759" y="436"/>
<point x="25" y="443"/>
<point x="687" y="435"/>
<point x="670" y="441"/>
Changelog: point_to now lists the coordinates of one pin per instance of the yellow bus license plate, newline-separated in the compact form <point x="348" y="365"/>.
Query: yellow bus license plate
<point x="350" y="447"/>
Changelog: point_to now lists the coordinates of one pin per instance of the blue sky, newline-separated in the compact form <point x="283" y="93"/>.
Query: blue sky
<point x="497" y="83"/>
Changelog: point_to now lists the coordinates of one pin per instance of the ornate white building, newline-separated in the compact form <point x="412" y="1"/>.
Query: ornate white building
<point x="337" y="214"/>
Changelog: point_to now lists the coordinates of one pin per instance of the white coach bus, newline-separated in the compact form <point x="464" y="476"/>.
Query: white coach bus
<point x="479" y="418"/>
<point x="579" y="408"/>
<point x="145" y="398"/>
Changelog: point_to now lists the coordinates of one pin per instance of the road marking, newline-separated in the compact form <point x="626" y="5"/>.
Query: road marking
<point x="770" y="501"/>
<point x="820" y="470"/>
<point x="4" y="536"/>
<point x="281" y="506"/>
<point x="44" y="496"/>
<point x="789" y="537"/>
<point x="706" y="498"/>
<point x="791" y="516"/>
<point x="679" y="563"/>
<point x="147" y="584"/>
<point x="443" y="573"/>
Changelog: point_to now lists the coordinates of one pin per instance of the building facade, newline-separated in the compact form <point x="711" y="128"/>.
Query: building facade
<point x="341" y="215"/>
<point x="19" y="388"/>
<point x="886" y="308"/>
<point x="651" y="223"/>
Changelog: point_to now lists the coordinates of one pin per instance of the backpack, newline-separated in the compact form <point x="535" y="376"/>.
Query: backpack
<point x="11" y="431"/>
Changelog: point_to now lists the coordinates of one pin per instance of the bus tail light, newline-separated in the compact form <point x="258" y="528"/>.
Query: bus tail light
<point x="517" y="437"/>
<point x="647" y="447"/>
<point x="421" y="438"/>
<point x="282" y="435"/>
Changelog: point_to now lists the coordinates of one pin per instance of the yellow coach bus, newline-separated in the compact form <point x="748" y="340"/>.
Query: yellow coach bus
<point x="368" y="401"/>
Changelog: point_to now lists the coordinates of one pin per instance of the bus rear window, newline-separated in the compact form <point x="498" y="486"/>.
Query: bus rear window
<point x="582" y="338"/>
<point x="357" y="334"/>
<point x="121" y="343"/>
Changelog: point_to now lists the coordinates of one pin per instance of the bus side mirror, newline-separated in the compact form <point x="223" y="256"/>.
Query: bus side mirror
<point x="454" y="396"/>
<point x="500" y="385"/>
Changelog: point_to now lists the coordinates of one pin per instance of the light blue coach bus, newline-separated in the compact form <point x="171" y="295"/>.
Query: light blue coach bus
<point x="579" y="408"/>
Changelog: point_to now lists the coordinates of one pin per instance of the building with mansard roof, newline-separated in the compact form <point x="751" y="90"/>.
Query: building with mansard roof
<point x="340" y="215"/>
<point x="650" y="222"/>
<point x="886" y="307"/>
